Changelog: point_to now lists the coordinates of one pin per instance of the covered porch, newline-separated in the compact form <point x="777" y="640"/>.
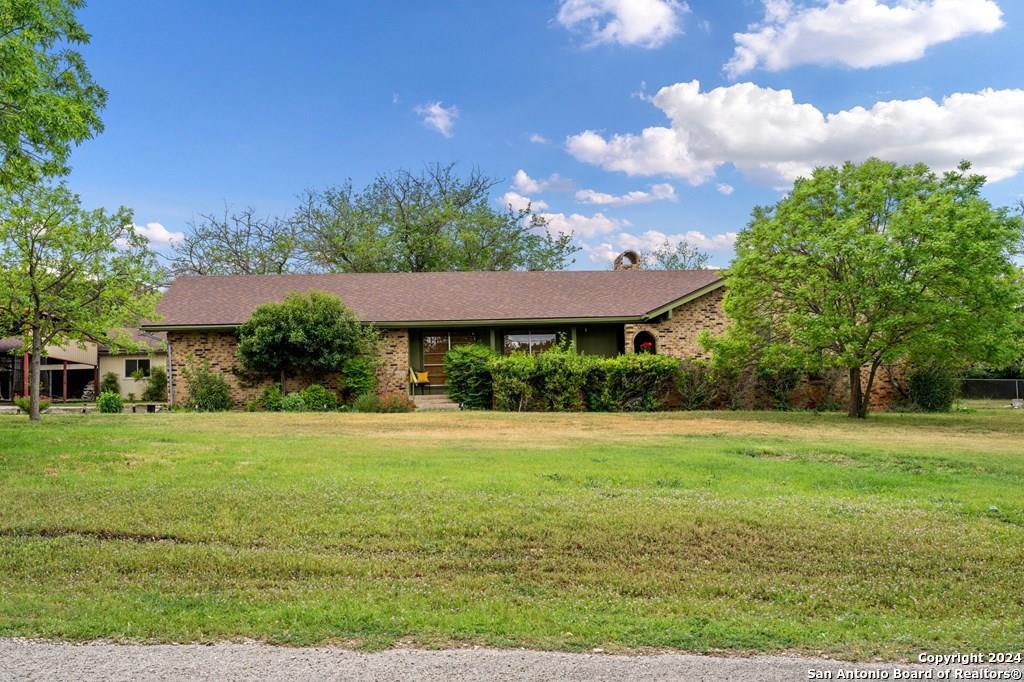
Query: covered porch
<point x="428" y="345"/>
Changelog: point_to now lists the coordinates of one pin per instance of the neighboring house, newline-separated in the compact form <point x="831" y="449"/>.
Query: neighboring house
<point x="123" y="365"/>
<point x="422" y="315"/>
<point x="73" y="372"/>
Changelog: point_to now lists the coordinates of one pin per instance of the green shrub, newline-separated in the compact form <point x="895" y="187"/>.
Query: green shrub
<point x="358" y="377"/>
<point x="637" y="382"/>
<point x="695" y="384"/>
<point x="271" y="398"/>
<point x="560" y="380"/>
<point x="514" y="377"/>
<point x="396" y="402"/>
<point x="319" y="399"/>
<point x="110" y="383"/>
<point x="156" y="389"/>
<point x="293" y="402"/>
<point x="110" y="403"/>
<point x="367" y="402"/>
<point x="207" y="390"/>
<point x="469" y="376"/>
<point x="24" y="404"/>
<point x="933" y="389"/>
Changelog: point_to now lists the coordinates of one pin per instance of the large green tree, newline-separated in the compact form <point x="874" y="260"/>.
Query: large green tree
<point x="434" y="221"/>
<point x="48" y="100"/>
<point x="866" y="264"/>
<point x="68" y="274"/>
<point x="310" y="335"/>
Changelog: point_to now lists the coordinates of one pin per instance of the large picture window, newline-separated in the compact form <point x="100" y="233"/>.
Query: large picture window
<point x="529" y="342"/>
<point x="133" y="366"/>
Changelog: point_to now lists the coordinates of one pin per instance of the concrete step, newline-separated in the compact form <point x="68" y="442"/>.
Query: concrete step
<point x="438" y="401"/>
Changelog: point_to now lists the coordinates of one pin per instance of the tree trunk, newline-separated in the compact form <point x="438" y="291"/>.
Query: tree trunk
<point x="866" y="398"/>
<point x="856" y="396"/>
<point x="34" y="375"/>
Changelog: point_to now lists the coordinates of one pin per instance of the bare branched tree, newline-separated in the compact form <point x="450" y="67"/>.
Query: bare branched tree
<point x="238" y="243"/>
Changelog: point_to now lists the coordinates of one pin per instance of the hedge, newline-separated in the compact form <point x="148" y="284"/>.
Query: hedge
<point x="469" y="376"/>
<point x="560" y="380"/>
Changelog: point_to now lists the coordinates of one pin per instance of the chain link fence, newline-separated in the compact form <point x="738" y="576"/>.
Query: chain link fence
<point x="992" y="389"/>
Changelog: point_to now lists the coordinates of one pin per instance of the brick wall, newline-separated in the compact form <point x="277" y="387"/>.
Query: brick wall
<point x="678" y="336"/>
<point x="219" y="350"/>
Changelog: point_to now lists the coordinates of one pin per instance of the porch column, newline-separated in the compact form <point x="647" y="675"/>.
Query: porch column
<point x="24" y="376"/>
<point x="65" y="381"/>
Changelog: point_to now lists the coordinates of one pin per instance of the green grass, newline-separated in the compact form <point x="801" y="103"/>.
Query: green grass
<point x="701" y="531"/>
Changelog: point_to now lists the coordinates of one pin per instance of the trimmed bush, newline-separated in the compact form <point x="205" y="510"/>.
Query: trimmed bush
<point x="560" y="380"/>
<point x="156" y="389"/>
<point x="513" y="382"/>
<point x="110" y="384"/>
<point x="110" y="403"/>
<point x="933" y="389"/>
<point x="358" y="377"/>
<point x="24" y="404"/>
<point x="207" y="390"/>
<point x="634" y="383"/>
<point x="319" y="399"/>
<point x="469" y="376"/>
<point x="293" y="402"/>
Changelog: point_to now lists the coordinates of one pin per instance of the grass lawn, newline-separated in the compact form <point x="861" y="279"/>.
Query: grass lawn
<point x="699" y="531"/>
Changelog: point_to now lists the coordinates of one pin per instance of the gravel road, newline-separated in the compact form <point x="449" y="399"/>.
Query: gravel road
<point x="33" y="660"/>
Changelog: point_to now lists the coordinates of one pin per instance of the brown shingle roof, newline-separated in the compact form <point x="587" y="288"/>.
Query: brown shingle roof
<point x="385" y="298"/>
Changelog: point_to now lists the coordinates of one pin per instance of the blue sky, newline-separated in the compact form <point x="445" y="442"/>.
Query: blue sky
<point x="591" y="104"/>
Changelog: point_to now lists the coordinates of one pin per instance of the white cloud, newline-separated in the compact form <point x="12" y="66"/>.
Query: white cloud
<point x="582" y="226"/>
<point x="158" y="235"/>
<point x="724" y="188"/>
<point x="771" y="138"/>
<point x="519" y="203"/>
<point x="439" y="117"/>
<point x="522" y="182"/>
<point x="856" y="33"/>
<point x="643" y="23"/>
<point x="659" y="192"/>
<point x="650" y="240"/>
<point x="537" y="138"/>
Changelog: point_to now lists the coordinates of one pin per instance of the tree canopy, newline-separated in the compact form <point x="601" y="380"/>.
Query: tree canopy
<point x="48" y="100"/>
<point x="238" y="243"/>
<point x="70" y="275"/>
<point x="678" y="255"/>
<point x="875" y="262"/>
<point x="309" y="335"/>
<point x="401" y="222"/>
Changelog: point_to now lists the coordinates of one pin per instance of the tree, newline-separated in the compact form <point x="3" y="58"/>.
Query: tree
<point x="310" y="335"/>
<point x="867" y="264"/>
<point x="239" y="243"/>
<point x="680" y="255"/>
<point x="48" y="100"/>
<point x="70" y="275"/>
<point x="435" y="221"/>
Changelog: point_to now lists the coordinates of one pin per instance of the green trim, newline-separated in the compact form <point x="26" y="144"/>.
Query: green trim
<point x="189" y="327"/>
<point x="692" y="296"/>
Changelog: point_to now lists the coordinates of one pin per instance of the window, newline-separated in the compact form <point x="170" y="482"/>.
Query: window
<point x="529" y="342"/>
<point x="133" y="366"/>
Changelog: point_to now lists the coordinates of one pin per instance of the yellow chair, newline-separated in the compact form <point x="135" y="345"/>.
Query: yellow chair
<point x="421" y="379"/>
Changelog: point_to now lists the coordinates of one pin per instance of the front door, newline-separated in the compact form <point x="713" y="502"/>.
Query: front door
<point x="435" y="345"/>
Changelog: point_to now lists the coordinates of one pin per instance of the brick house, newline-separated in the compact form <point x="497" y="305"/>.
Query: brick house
<point x="422" y="315"/>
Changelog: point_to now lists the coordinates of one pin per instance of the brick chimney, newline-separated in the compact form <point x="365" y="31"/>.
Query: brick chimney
<point x="627" y="260"/>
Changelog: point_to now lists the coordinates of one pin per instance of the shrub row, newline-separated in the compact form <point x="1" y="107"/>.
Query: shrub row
<point x="561" y="380"/>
